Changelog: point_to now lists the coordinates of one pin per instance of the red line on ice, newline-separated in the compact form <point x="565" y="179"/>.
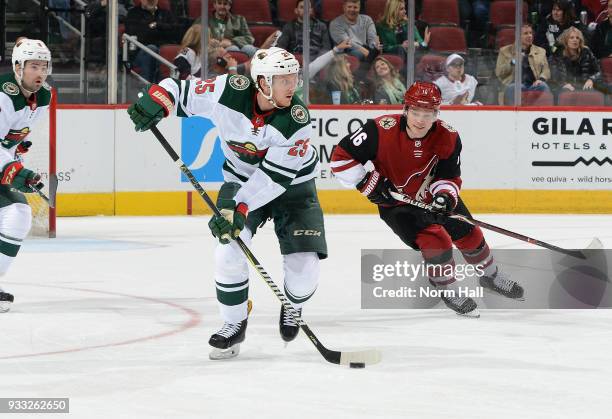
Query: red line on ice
<point x="193" y="321"/>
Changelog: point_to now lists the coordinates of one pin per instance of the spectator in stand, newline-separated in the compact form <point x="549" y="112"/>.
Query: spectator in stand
<point x="544" y="7"/>
<point x="357" y="28"/>
<point x="95" y="15"/>
<point x="560" y="18"/>
<point x="574" y="66"/>
<point x="392" y="30"/>
<point x="153" y="27"/>
<point x="341" y="83"/>
<point x="291" y="37"/>
<point x="457" y="87"/>
<point x="389" y="88"/>
<point x="594" y="8"/>
<point x="64" y="14"/>
<point x="220" y="61"/>
<point x="602" y="37"/>
<point x="536" y="71"/>
<point x="189" y="61"/>
<point x="477" y="13"/>
<point x="231" y="30"/>
<point x="316" y="66"/>
<point x="179" y="8"/>
<point x="95" y="46"/>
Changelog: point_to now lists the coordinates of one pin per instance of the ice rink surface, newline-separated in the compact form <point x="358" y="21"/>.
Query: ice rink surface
<point x="116" y="314"/>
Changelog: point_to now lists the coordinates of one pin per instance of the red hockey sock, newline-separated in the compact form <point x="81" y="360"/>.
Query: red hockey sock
<point x="436" y="248"/>
<point x="476" y="251"/>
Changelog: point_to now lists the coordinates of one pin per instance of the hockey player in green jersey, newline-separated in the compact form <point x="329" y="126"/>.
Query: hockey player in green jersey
<point x="269" y="172"/>
<point x="24" y="98"/>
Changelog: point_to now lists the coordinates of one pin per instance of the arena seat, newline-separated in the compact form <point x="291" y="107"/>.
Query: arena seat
<point x="582" y="98"/>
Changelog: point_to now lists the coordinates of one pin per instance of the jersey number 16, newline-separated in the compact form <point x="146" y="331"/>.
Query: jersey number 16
<point x="358" y="137"/>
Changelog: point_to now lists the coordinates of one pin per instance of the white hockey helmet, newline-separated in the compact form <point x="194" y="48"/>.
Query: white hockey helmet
<point x="29" y="49"/>
<point x="272" y="62"/>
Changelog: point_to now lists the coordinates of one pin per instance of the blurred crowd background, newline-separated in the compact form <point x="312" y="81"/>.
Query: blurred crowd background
<point x="360" y="51"/>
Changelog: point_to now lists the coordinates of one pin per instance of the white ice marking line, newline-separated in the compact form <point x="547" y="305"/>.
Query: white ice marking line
<point x="83" y="245"/>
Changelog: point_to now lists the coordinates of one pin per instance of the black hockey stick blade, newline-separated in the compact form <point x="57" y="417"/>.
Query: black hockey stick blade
<point x="583" y="281"/>
<point x="53" y="183"/>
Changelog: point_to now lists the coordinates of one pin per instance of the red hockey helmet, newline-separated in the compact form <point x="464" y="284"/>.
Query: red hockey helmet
<point x="423" y="94"/>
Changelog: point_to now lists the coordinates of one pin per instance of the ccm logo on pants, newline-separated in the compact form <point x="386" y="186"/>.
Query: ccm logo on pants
<point x="306" y="233"/>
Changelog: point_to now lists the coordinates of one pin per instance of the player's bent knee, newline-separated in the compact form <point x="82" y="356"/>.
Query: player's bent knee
<point x="301" y="272"/>
<point x="230" y="264"/>
<point x="433" y="240"/>
<point x="473" y="240"/>
<point x="16" y="220"/>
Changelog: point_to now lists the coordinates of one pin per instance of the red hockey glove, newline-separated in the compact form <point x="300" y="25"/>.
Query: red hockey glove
<point x="24" y="147"/>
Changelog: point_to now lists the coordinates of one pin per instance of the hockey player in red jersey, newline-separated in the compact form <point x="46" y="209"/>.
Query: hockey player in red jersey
<point x="418" y="155"/>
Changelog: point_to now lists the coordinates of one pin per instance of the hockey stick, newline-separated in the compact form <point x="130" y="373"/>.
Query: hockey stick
<point x="574" y="253"/>
<point x="364" y="357"/>
<point x="50" y="200"/>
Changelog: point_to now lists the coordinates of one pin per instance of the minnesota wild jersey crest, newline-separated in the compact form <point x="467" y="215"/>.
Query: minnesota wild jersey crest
<point x="239" y="82"/>
<point x="14" y="137"/>
<point x="247" y="152"/>
<point x="10" y="88"/>
<point x="299" y="114"/>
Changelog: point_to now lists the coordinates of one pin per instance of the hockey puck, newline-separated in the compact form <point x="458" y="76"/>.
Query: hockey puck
<point x="357" y="365"/>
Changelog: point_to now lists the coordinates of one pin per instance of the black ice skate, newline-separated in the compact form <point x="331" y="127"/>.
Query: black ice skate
<point x="287" y="325"/>
<point x="226" y="342"/>
<point x="6" y="300"/>
<point x="501" y="283"/>
<point x="464" y="306"/>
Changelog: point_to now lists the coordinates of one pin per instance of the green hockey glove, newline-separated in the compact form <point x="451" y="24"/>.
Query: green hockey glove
<point x="20" y="178"/>
<point x="153" y="104"/>
<point x="228" y="226"/>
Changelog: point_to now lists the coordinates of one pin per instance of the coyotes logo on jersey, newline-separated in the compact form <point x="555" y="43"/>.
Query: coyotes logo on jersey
<point x="419" y="181"/>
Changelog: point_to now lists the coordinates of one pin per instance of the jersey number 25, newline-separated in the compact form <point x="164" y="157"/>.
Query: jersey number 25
<point x="300" y="148"/>
<point x="205" y="86"/>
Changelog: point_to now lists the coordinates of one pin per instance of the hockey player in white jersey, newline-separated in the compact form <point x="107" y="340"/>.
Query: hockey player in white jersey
<point x="24" y="98"/>
<point x="269" y="172"/>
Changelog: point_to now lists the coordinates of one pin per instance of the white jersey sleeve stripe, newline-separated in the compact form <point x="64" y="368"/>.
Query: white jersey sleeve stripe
<point x="277" y="169"/>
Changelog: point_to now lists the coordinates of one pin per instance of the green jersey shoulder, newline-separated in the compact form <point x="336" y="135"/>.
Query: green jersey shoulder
<point x="291" y="119"/>
<point x="238" y="94"/>
<point x="10" y="88"/>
